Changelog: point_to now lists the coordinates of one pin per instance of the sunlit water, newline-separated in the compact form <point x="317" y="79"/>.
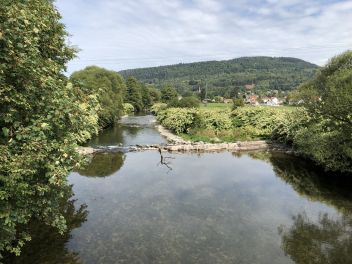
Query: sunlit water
<point x="257" y="207"/>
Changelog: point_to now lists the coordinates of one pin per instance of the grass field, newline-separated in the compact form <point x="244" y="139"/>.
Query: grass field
<point x="218" y="106"/>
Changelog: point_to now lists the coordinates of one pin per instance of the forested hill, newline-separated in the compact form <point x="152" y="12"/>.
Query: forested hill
<point x="267" y="73"/>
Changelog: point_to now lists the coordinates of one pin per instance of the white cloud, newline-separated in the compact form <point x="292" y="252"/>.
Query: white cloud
<point x="125" y="34"/>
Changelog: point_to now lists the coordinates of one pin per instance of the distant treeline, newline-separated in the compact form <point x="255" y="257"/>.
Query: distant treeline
<point x="267" y="73"/>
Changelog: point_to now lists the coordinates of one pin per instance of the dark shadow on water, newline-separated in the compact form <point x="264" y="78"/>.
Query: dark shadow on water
<point x="103" y="165"/>
<point x="47" y="244"/>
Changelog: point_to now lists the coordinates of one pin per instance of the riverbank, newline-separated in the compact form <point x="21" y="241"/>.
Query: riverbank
<point x="177" y="144"/>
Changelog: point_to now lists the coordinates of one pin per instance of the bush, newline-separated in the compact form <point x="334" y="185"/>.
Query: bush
<point x="179" y="120"/>
<point x="185" y="102"/>
<point x="217" y="120"/>
<point x="263" y="118"/>
<point x="128" y="108"/>
<point x="288" y="127"/>
<point x="156" y="108"/>
<point x="237" y="103"/>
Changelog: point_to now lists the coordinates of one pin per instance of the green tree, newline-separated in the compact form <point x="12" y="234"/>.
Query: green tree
<point x="168" y="93"/>
<point x="42" y="118"/>
<point x="133" y="93"/>
<point x="238" y="102"/>
<point x="328" y="99"/>
<point x="155" y="94"/>
<point x="146" y="98"/>
<point x="234" y="93"/>
<point x="108" y="85"/>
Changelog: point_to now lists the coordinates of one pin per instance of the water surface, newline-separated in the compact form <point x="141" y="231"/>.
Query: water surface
<point x="257" y="207"/>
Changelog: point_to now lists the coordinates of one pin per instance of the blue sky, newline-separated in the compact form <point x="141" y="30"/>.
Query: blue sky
<point x="118" y="34"/>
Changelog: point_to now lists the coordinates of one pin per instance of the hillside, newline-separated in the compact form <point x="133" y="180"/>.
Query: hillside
<point x="267" y="73"/>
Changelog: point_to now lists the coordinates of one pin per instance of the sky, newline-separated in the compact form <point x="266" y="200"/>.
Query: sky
<point x="120" y="35"/>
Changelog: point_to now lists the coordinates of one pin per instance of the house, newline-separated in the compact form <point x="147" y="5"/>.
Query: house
<point x="252" y="99"/>
<point x="273" y="101"/>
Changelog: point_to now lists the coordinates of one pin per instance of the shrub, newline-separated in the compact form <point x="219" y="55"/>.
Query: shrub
<point x="156" y="108"/>
<point x="237" y="103"/>
<point x="128" y="108"/>
<point x="212" y="119"/>
<point x="263" y="118"/>
<point x="185" y="102"/>
<point x="179" y="120"/>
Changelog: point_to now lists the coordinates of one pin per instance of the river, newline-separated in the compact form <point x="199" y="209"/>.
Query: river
<point x="141" y="207"/>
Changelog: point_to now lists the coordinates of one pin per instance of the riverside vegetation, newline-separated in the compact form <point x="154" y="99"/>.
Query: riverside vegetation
<point x="320" y="129"/>
<point x="45" y="115"/>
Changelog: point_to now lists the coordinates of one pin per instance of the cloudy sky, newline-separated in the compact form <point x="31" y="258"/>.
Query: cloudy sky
<point x="120" y="34"/>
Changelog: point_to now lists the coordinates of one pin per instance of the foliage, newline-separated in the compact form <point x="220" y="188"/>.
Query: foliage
<point x="42" y="118"/>
<point x="156" y="108"/>
<point x="154" y="94"/>
<point x="185" y="102"/>
<point x="237" y="103"/>
<point x="328" y="99"/>
<point x="179" y="120"/>
<point x="223" y="77"/>
<point x="128" y="108"/>
<point x="211" y="124"/>
<point x="109" y="87"/>
<point x="286" y="130"/>
<point x="216" y="120"/>
<point x="134" y="93"/>
<point x="168" y="94"/>
<point x="146" y="98"/>
<point x="263" y="118"/>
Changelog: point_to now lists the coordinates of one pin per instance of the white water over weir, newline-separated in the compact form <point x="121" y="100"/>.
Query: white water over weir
<point x="188" y="147"/>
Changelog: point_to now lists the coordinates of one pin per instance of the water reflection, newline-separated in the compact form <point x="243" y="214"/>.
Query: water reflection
<point x="210" y="208"/>
<point x="328" y="239"/>
<point x="47" y="244"/>
<point x="103" y="164"/>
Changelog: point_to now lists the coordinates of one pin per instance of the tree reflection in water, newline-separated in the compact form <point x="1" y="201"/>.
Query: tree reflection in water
<point x="103" y="164"/>
<point x="47" y="244"/>
<point x="329" y="240"/>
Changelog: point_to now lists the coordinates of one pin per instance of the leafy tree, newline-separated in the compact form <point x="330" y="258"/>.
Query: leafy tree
<point x="234" y="93"/>
<point x="108" y="85"/>
<point x="155" y="94"/>
<point x="146" y="98"/>
<point x="134" y="94"/>
<point x="42" y="118"/>
<point x="168" y="93"/>
<point x="238" y="102"/>
<point x="328" y="99"/>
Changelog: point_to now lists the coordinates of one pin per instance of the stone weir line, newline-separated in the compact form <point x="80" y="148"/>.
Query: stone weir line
<point x="177" y="144"/>
<point x="188" y="147"/>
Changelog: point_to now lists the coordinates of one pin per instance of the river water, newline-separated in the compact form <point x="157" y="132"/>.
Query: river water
<point x="256" y="207"/>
